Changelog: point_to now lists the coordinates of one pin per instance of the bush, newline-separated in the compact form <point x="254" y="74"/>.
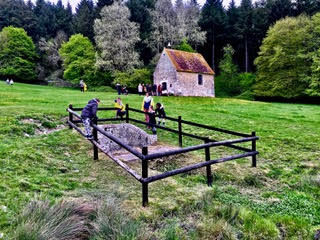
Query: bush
<point x="184" y="46"/>
<point x="132" y="79"/>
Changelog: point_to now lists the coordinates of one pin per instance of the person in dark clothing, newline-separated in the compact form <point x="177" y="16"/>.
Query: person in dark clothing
<point x="161" y="114"/>
<point x="154" y="89"/>
<point x="89" y="112"/>
<point x="119" y="89"/>
<point x="152" y="119"/>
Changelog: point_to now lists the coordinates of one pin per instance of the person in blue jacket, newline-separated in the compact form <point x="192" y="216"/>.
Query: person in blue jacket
<point x="89" y="112"/>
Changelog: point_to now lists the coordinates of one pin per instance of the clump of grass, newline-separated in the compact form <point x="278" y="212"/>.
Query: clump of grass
<point x="112" y="223"/>
<point x="64" y="221"/>
<point x="252" y="180"/>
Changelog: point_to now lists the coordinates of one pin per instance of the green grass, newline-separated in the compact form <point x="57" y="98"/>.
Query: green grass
<point x="277" y="200"/>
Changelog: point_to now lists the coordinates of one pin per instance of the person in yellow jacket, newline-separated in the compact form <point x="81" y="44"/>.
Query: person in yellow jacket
<point x="85" y="88"/>
<point x="121" y="111"/>
<point x="146" y="104"/>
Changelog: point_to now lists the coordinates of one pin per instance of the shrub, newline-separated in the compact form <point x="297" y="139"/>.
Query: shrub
<point x="184" y="46"/>
<point x="132" y="79"/>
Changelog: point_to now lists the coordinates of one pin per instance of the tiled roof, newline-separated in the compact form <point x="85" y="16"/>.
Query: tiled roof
<point x="188" y="62"/>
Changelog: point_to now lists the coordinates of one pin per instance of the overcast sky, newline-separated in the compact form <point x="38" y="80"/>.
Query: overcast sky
<point x="74" y="3"/>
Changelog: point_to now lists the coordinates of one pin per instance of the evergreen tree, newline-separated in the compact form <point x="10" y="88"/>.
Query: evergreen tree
<point x="140" y="13"/>
<point x="231" y="24"/>
<point x="213" y="21"/>
<point x="63" y="18"/>
<point x="101" y="4"/>
<point x="306" y="6"/>
<point x="46" y="20"/>
<point x="17" y="54"/>
<point x="246" y="28"/>
<point x="278" y="9"/>
<point x="84" y="19"/>
<point x="18" y="14"/>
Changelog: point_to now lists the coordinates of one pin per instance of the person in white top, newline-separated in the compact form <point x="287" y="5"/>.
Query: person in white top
<point x="140" y="89"/>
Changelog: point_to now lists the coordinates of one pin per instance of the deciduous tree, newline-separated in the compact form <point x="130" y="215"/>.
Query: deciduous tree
<point x="116" y="37"/>
<point x="17" y="54"/>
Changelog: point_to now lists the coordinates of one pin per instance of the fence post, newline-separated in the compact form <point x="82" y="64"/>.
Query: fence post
<point x="144" y="175"/>
<point x="95" y="138"/>
<point x="127" y="113"/>
<point x="209" y="174"/>
<point x="70" y="116"/>
<point x="180" y="131"/>
<point x="254" y="148"/>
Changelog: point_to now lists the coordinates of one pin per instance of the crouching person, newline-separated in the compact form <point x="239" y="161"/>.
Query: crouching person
<point x="89" y="112"/>
<point x="161" y="114"/>
<point x="120" y="112"/>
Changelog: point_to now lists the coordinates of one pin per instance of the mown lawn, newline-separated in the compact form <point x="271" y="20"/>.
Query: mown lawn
<point x="280" y="199"/>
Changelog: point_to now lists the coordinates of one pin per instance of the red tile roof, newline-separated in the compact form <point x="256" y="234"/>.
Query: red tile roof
<point x="189" y="62"/>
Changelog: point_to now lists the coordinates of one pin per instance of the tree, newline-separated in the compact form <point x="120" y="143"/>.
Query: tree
<point x="184" y="46"/>
<point x="116" y="37"/>
<point x="284" y="60"/>
<point x="64" y="18"/>
<point x="245" y="27"/>
<point x="213" y="20"/>
<point x="141" y="13"/>
<point x="101" y="4"/>
<point x="46" y="20"/>
<point x="17" y="54"/>
<point x="84" y="19"/>
<point x="164" y="20"/>
<point x="78" y="56"/>
<point x="18" y="14"/>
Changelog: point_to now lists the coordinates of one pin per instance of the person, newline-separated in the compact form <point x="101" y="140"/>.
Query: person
<point x="7" y="81"/>
<point x="120" y="112"/>
<point x="146" y="103"/>
<point x="152" y="120"/>
<point x="159" y="92"/>
<point x="11" y="82"/>
<point x="118" y="86"/>
<point x="144" y="89"/>
<point x="89" y="113"/>
<point x="125" y="90"/>
<point x="140" y="89"/>
<point x="81" y="85"/>
<point x="85" y="88"/>
<point x="154" y="89"/>
<point x="161" y="114"/>
<point x="149" y="89"/>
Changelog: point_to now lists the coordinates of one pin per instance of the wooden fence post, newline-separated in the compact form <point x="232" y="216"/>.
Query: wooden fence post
<point x="145" y="175"/>
<point x="180" y="131"/>
<point x="95" y="138"/>
<point x="127" y="113"/>
<point x="70" y="116"/>
<point x="254" y="148"/>
<point x="209" y="174"/>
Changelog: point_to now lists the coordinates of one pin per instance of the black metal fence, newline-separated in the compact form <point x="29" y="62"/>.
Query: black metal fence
<point x="145" y="157"/>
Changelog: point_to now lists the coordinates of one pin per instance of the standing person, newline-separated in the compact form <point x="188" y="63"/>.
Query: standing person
<point x="154" y="89"/>
<point x="11" y="82"/>
<point x="81" y="83"/>
<point x="149" y="89"/>
<point x="140" y="89"/>
<point x="144" y="88"/>
<point x="152" y="120"/>
<point x="89" y="112"/>
<point x="120" y="112"/>
<point x="118" y="86"/>
<point x="146" y="103"/>
<point x="161" y="114"/>
<point x="8" y="81"/>
<point x="159" y="90"/>
<point x="85" y="87"/>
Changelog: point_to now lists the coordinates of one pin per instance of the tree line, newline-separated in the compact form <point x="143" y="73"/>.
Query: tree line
<point x="130" y="35"/>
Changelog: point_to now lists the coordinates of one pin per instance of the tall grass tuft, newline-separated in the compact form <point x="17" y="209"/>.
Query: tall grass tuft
<point x="63" y="221"/>
<point x="112" y="223"/>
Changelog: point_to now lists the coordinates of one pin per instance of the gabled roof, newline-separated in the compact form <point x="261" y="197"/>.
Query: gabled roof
<point x="188" y="62"/>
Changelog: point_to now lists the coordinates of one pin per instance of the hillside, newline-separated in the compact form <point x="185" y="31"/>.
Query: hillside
<point x="277" y="200"/>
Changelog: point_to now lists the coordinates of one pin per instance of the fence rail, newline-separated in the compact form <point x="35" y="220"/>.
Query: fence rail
<point x="145" y="157"/>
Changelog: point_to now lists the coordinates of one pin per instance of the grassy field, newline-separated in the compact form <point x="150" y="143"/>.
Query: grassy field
<point x="277" y="200"/>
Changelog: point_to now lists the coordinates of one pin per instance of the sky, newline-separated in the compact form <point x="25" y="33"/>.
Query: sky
<point x="74" y="3"/>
